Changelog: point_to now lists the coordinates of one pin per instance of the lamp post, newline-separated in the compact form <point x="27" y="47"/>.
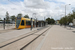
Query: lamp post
<point x="32" y="21"/>
<point x="34" y="14"/>
<point x="65" y="12"/>
<point x="4" y="19"/>
<point x="65" y="8"/>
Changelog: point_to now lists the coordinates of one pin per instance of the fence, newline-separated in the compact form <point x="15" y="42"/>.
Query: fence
<point x="7" y="26"/>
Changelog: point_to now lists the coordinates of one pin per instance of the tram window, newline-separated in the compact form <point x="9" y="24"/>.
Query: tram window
<point x="28" y="22"/>
<point x="22" y="23"/>
<point x="18" y="22"/>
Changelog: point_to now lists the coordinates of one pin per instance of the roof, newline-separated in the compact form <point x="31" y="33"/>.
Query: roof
<point x="27" y="19"/>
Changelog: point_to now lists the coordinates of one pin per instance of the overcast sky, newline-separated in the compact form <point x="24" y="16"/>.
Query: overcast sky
<point x="43" y="8"/>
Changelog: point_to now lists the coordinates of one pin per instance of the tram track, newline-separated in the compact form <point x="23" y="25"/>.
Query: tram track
<point x="30" y="33"/>
<point x="34" y="39"/>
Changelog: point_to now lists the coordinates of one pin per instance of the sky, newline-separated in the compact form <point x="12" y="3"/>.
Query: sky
<point x="40" y="8"/>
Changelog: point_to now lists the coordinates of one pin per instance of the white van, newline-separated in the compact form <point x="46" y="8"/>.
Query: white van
<point x="71" y="24"/>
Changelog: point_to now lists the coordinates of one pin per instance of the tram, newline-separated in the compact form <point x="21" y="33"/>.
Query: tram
<point x="22" y="23"/>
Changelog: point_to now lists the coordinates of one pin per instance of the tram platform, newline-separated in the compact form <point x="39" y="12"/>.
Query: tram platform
<point x="15" y="33"/>
<point x="58" y="38"/>
<point x="55" y="38"/>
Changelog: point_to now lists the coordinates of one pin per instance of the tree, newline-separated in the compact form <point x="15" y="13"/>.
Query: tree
<point x="7" y="16"/>
<point x="13" y="18"/>
<point x="61" y="21"/>
<point x="19" y="15"/>
<point x="73" y="14"/>
<point x="26" y="16"/>
<point x="64" y="20"/>
<point x="50" y="21"/>
<point x="67" y="19"/>
<point x="70" y="18"/>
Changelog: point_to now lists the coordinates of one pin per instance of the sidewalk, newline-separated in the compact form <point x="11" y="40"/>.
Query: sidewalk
<point x="58" y="38"/>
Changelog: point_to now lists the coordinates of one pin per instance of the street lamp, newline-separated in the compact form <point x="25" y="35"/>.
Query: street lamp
<point x="34" y="15"/>
<point x="65" y="11"/>
<point x="32" y="21"/>
<point x="65" y="8"/>
<point x="4" y="18"/>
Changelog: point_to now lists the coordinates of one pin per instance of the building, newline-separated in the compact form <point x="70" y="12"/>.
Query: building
<point x="57" y="22"/>
<point x="74" y="22"/>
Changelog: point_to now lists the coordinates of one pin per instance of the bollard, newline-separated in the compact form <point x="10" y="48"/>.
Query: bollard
<point x="31" y="24"/>
<point x="4" y="23"/>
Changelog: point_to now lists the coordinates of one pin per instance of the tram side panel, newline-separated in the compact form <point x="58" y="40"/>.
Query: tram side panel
<point x="23" y="23"/>
<point x="28" y="24"/>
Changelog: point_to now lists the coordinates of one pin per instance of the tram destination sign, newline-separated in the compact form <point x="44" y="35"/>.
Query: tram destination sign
<point x="18" y="17"/>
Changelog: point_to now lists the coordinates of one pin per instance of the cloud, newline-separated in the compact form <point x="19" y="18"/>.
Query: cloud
<point x="37" y="4"/>
<point x="42" y="8"/>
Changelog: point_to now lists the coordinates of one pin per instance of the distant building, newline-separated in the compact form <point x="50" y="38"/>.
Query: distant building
<point x="57" y="22"/>
<point x="73" y="21"/>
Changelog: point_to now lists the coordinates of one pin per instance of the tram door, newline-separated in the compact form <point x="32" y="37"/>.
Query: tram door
<point x="22" y="24"/>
